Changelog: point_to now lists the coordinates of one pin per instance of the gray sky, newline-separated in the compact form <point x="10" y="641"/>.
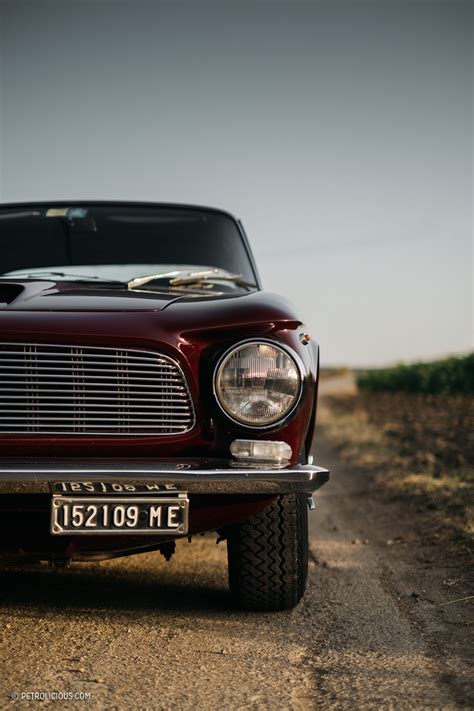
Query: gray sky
<point x="340" y="132"/>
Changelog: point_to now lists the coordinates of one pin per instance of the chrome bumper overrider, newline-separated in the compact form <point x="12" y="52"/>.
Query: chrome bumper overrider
<point x="199" y="476"/>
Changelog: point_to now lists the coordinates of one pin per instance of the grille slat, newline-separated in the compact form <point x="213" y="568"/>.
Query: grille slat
<point x="183" y="410"/>
<point x="99" y="419"/>
<point x="92" y="377"/>
<point x="76" y="364"/>
<point x="94" y="350"/>
<point x="54" y="361"/>
<point x="177" y="396"/>
<point x="84" y="372"/>
<point x="60" y="389"/>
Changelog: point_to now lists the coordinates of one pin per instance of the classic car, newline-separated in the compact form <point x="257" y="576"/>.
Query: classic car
<point x="150" y="390"/>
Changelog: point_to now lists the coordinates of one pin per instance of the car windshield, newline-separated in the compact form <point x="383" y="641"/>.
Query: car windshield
<point x="119" y="242"/>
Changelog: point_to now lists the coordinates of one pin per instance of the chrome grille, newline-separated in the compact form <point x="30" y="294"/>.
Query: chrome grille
<point x="73" y="390"/>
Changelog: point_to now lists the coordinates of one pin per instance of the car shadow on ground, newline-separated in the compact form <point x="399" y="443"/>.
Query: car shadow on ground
<point x="99" y="589"/>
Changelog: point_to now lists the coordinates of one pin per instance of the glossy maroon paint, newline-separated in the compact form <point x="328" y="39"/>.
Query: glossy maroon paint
<point x="194" y="331"/>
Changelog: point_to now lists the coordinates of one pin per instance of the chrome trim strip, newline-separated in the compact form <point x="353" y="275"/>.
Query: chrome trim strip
<point x="130" y="374"/>
<point x="61" y="354"/>
<point x="179" y="390"/>
<point x="204" y="476"/>
<point x="136" y="351"/>
<point x="94" y="433"/>
<point x="90" y="409"/>
<point x="75" y="376"/>
<point x="181" y="395"/>
<point x="85" y="415"/>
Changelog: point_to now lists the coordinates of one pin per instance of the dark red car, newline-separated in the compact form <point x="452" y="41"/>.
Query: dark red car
<point x="150" y="390"/>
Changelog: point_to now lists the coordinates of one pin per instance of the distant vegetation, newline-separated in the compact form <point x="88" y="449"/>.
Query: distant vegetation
<point x="448" y="377"/>
<point x="328" y="372"/>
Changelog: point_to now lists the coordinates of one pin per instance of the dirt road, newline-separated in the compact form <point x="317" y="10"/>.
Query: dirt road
<point x="143" y="633"/>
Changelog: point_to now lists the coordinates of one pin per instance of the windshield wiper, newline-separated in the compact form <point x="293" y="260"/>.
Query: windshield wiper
<point x="211" y="275"/>
<point x="182" y="278"/>
<point x="80" y="277"/>
<point x="142" y="280"/>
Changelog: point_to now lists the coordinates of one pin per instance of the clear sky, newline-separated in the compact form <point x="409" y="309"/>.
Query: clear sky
<point x="340" y="132"/>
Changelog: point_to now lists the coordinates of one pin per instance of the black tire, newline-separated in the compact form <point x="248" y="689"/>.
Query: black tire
<point x="268" y="556"/>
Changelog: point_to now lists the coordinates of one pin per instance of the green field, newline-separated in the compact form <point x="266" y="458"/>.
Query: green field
<point x="442" y="377"/>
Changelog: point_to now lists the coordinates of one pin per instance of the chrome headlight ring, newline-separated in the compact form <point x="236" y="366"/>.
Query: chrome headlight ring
<point x="263" y="383"/>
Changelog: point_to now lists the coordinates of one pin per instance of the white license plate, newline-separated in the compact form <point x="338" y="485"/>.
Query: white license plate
<point x="112" y="515"/>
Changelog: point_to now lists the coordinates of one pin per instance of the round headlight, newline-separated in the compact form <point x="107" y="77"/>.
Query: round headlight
<point x="257" y="384"/>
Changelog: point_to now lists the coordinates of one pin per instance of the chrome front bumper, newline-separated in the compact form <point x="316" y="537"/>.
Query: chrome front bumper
<point x="197" y="476"/>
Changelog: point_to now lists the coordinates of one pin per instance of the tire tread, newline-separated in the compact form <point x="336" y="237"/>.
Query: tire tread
<point x="268" y="556"/>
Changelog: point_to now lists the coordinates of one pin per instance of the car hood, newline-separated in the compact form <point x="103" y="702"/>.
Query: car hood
<point x="32" y="309"/>
<point x="50" y="296"/>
